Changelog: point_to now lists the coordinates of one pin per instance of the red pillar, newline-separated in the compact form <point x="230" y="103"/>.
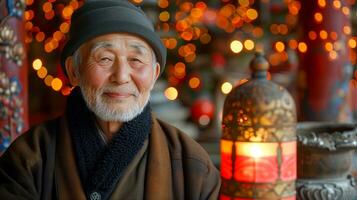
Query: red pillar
<point x="325" y="68"/>
<point x="13" y="73"/>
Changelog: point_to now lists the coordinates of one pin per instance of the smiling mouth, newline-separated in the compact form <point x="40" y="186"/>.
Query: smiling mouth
<point x="118" y="95"/>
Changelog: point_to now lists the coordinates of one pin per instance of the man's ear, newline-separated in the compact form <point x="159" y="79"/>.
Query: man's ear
<point x="71" y="73"/>
<point x="157" y="71"/>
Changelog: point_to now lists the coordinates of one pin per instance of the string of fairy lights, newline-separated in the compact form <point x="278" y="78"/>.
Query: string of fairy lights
<point x="185" y="26"/>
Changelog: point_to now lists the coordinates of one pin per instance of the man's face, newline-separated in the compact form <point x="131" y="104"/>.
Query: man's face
<point x="116" y="76"/>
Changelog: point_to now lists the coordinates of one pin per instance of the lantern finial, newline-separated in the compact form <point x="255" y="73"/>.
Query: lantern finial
<point x="259" y="66"/>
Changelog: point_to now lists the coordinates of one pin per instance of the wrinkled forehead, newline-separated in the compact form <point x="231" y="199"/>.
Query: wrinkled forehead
<point x="118" y="41"/>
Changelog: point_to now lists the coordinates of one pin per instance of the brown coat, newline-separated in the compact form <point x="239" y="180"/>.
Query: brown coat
<point x="41" y="164"/>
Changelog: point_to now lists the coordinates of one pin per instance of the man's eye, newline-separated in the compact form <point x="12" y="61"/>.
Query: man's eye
<point x="135" y="60"/>
<point x="105" y="60"/>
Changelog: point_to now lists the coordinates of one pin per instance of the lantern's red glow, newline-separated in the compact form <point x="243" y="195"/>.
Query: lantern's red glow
<point x="257" y="162"/>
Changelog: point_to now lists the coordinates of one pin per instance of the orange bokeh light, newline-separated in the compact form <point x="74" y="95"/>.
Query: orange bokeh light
<point x="312" y="35"/>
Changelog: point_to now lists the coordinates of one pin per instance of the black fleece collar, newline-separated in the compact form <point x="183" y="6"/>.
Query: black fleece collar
<point x="100" y="166"/>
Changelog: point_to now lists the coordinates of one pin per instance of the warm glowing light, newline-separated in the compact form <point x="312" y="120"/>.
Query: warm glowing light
<point x="337" y="4"/>
<point x="66" y="91"/>
<point x="49" y="15"/>
<point x="347" y="30"/>
<point x="172" y="43"/>
<point x="283" y="29"/>
<point x="67" y="12"/>
<point x="64" y="27"/>
<point x="256" y="150"/>
<point x="28" y="15"/>
<point x="346" y="10"/>
<point x="293" y="44"/>
<point x="58" y="35"/>
<point x="37" y="64"/>
<point x="190" y="57"/>
<point x="164" y="16"/>
<point x="74" y="4"/>
<point x="187" y="35"/>
<point x="171" y="93"/>
<point x="302" y="47"/>
<point x="226" y="87"/>
<point x="190" y="48"/>
<point x="244" y="3"/>
<point x="180" y="70"/>
<point x="47" y="7"/>
<point x="201" y="5"/>
<point x="318" y="17"/>
<point x="196" y="13"/>
<point x="48" y="47"/>
<point x="333" y="55"/>
<point x="163" y="3"/>
<point x="42" y="72"/>
<point x="236" y="46"/>
<point x="323" y="34"/>
<point x="54" y="44"/>
<point x="29" y="2"/>
<point x="48" y="80"/>
<point x="312" y="35"/>
<point x="56" y="84"/>
<point x="40" y="36"/>
<point x="280" y="46"/>
<point x="137" y="1"/>
<point x="322" y="3"/>
<point x="352" y="43"/>
<point x="294" y="7"/>
<point x="249" y="44"/>
<point x="194" y="82"/>
<point x="252" y="14"/>
<point x="329" y="46"/>
<point x="186" y="6"/>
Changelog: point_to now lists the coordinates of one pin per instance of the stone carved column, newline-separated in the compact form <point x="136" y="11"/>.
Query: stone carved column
<point x="13" y="73"/>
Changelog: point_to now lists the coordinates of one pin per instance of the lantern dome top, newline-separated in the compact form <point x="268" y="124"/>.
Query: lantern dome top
<point x="259" y="110"/>
<point x="259" y="65"/>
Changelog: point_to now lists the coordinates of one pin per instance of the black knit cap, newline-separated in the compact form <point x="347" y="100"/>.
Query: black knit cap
<point x="102" y="17"/>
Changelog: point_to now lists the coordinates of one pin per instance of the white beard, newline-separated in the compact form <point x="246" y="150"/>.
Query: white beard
<point x="105" y="109"/>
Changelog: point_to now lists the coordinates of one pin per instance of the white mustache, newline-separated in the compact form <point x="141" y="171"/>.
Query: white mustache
<point x="119" y="90"/>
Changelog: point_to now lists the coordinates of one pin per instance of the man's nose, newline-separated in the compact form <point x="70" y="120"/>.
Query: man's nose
<point x="121" y="71"/>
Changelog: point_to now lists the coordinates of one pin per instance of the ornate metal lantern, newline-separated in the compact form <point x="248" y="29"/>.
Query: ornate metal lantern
<point x="258" y="145"/>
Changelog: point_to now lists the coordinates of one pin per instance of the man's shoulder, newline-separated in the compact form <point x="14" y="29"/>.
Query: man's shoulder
<point x="183" y="146"/>
<point x="36" y="137"/>
<point x="44" y="129"/>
